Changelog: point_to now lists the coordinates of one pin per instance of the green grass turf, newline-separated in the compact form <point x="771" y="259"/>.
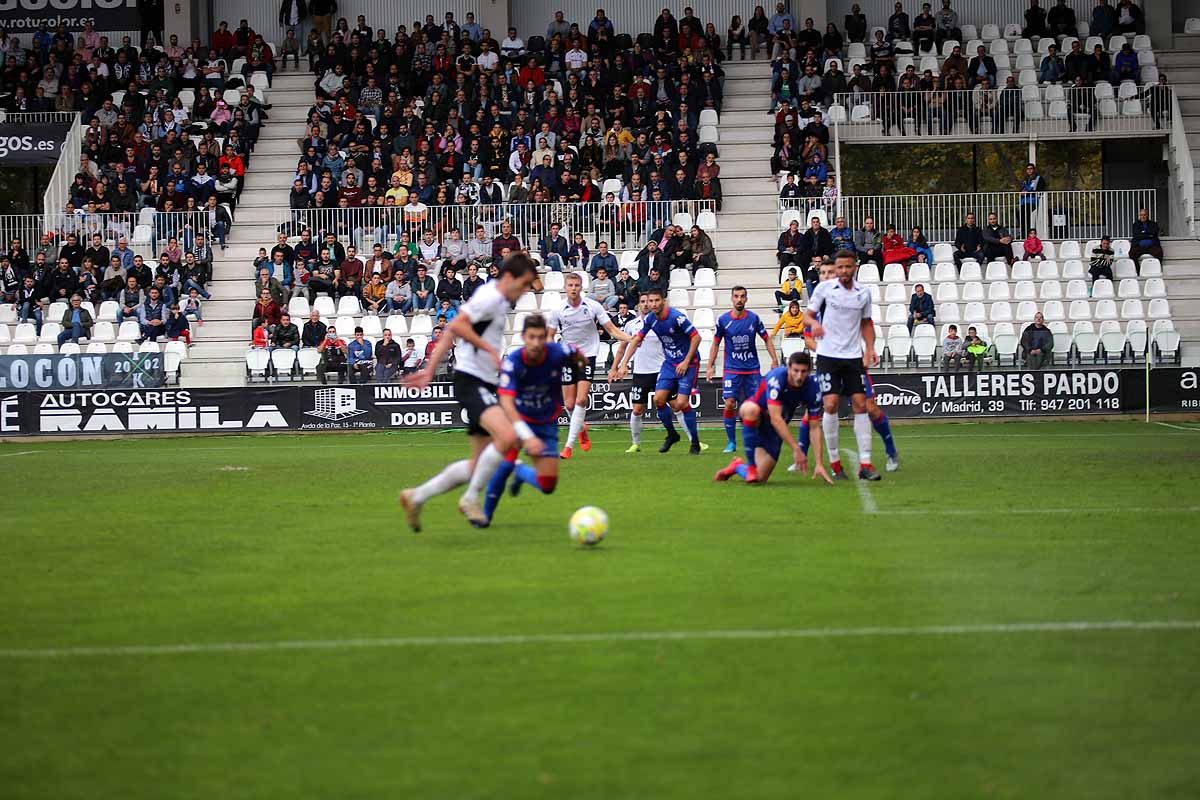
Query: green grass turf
<point x="151" y="542"/>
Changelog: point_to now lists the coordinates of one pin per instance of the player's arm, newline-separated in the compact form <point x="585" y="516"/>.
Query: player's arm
<point x="532" y="444"/>
<point x="618" y="370"/>
<point x="712" y="355"/>
<point x="616" y="332"/>
<point x="813" y="324"/>
<point x="816" y="445"/>
<point x="867" y="327"/>
<point x="682" y="369"/>
<point x="766" y="337"/>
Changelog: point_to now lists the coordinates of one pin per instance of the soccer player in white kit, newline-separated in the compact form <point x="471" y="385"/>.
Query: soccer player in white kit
<point x="843" y="326"/>
<point x="647" y="362"/>
<point x="579" y="320"/>
<point x="477" y="334"/>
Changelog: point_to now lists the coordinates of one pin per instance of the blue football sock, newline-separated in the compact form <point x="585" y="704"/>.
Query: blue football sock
<point x="668" y="418"/>
<point x="741" y="470"/>
<point x="689" y="419"/>
<point x="750" y="441"/>
<point x="495" y="488"/>
<point x="731" y="430"/>
<point x="804" y="439"/>
<point x="884" y="430"/>
<point x="527" y="474"/>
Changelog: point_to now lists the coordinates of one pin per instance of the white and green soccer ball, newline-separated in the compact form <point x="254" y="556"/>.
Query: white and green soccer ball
<point x="588" y="526"/>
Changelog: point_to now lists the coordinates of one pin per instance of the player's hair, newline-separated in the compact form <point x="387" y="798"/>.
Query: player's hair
<point x="574" y="276"/>
<point x="800" y="357"/>
<point x="516" y="264"/>
<point x="534" y="322"/>
<point x="653" y="290"/>
<point x="737" y="289"/>
<point x="845" y="254"/>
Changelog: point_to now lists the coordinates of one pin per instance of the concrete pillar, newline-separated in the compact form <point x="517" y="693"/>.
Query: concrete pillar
<point x="494" y="15"/>
<point x="183" y="18"/>
<point x="801" y="9"/>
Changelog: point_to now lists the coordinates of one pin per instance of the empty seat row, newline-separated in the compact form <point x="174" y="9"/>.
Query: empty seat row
<point x="1053" y="310"/>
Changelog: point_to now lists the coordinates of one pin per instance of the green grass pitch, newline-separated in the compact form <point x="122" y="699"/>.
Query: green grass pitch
<point x="456" y="663"/>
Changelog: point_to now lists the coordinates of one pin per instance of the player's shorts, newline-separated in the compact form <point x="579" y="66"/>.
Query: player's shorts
<point x="548" y="433"/>
<point x="642" y="391"/>
<point x="568" y="372"/>
<point x="740" y="386"/>
<point x="475" y="396"/>
<point x="671" y="382"/>
<point x="768" y="438"/>
<point x="841" y="376"/>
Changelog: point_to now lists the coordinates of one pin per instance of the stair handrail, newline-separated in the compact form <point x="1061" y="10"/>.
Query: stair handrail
<point x="1183" y="183"/>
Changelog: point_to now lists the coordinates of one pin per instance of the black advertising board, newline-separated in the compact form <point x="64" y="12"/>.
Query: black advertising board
<point x="82" y="371"/>
<point x="24" y="144"/>
<point x="25" y="16"/>
<point x="394" y="407"/>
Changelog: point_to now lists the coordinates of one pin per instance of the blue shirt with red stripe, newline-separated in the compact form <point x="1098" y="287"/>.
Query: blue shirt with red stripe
<point x="741" y="349"/>
<point x="675" y="331"/>
<point x="775" y="391"/>
<point x="537" y="387"/>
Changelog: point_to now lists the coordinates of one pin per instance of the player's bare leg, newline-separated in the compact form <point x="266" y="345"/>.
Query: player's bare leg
<point x="569" y="395"/>
<point x="666" y="414"/>
<point x="503" y="438"/>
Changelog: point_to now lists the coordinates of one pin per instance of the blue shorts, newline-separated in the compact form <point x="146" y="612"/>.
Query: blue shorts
<point x="548" y="433"/>
<point x="740" y="387"/>
<point x="768" y="439"/>
<point x="668" y="380"/>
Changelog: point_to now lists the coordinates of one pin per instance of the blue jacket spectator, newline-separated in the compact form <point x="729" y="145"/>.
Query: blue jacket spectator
<point x="603" y="258"/>
<point x="777" y="19"/>
<point x="1053" y="69"/>
<point x="554" y="249"/>
<point x="920" y="308"/>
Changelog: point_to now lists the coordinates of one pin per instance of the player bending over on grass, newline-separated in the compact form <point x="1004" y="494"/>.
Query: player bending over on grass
<point x="477" y="335"/>
<point x="741" y="374"/>
<point x="839" y="314"/>
<point x="646" y="364"/>
<point x="879" y="420"/>
<point x="679" y="370"/>
<point x="785" y="389"/>
<point x="578" y="320"/>
<point x="531" y="395"/>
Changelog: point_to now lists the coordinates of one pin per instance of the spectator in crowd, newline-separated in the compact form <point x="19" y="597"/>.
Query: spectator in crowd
<point x="924" y="28"/>
<point x="1034" y="249"/>
<point x="1035" y="21"/>
<point x="1037" y="343"/>
<point x="868" y="243"/>
<point x="449" y="289"/>
<point x="855" y="24"/>
<point x="1052" y="69"/>
<point x="603" y="290"/>
<point x="1129" y="18"/>
<point x="424" y="291"/>
<point x="789" y="249"/>
<point x="314" y="330"/>
<point x="472" y="282"/>
<point x="626" y="288"/>
<point x="152" y="316"/>
<point x="652" y="279"/>
<point x="976" y="348"/>
<point x="1125" y="65"/>
<point x="374" y="295"/>
<point x="334" y="352"/>
<point x="968" y="241"/>
<point x="920" y="308"/>
<point x="1033" y="185"/>
<point x="954" y="353"/>
<point x="790" y="321"/>
<point x="1061" y="20"/>
<point x="178" y="327"/>
<point x="193" y="309"/>
<point x="997" y="241"/>
<point x="895" y="251"/>
<point x="360" y="358"/>
<point x="412" y="357"/>
<point x="285" y="334"/>
<point x="76" y="322"/>
<point x="698" y="251"/>
<point x="1158" y="101"/>
<point x="981" y="68"/>
<point x="1102" y="260"/>
<point x="267" y="309"/>
<point x="260" y="336"/>
<point x="130" y="299"/>
<point x="920" y="245"/>
<point x="788" y="290"/>
<point x="389" y="358"/>
<point x="1144" y="239"/>
<point x="1104" y="19"/>
<point x="398" y="293"/>
<point x="554" y="249"/>
<point x="841" y="235"/>
<point x="269" y="284"/>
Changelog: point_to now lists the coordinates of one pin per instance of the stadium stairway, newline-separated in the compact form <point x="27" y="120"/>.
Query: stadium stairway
<point x="216" y="358"/>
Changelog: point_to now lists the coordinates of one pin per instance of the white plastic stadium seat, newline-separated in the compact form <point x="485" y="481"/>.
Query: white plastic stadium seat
<point x="999" y="291"/>
<point x="706" y="277"/>
<point x="972" y="291"/>
<point x="256" y="363"/>
<point x="1102" y="288"/>
<point x="896" y="314"/>
<point x="996" y="271"/>
<point x="707" y="221"/>
<point x="1192" y="26"/>
<point x="1079" y="310"/>
<point x="919" y="273"/>
<point x="680" y="278"/>
<point x="945" y="271"/>
<point x="703" y="318"/>
<point x="868" y="273"/>
<point x="397" y="324"/>
<point x="895" y="293"/>
<point x="677" y="298"/>
<point x="422" y="325"/>
<point x="527" y="302"/>
<point x="129" y="331"/>
<point x="969" y="271"/>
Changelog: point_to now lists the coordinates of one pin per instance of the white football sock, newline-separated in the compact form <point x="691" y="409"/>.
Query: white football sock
<point x="862" y="436"/>
<point x="485" y="467"/>
<point x="635" y="427"/>
<point x="829" y="427"/>
<point x="454" y="474"/>
<point x="578" y="415"/>
<point x="680" y="422"/>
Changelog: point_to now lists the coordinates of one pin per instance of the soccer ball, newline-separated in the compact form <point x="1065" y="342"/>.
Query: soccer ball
<point x="588" y="526"/>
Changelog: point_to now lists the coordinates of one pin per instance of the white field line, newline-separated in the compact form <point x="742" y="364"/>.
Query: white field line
<point x="971" y="512"/>
<point x="864" y="491"/>
<point x="22" y="453"/>
<point x="1178" y="427"/>
<point x="603" y="638"/>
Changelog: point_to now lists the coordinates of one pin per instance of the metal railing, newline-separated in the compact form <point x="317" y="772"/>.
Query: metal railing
<point x="998" y="114"/>
<point x="622" y="225"/>
<point x="147" y="232"/>
<point x="1056" y="215"/>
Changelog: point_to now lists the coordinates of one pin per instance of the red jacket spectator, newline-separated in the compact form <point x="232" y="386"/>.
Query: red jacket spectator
<point x="235" y="164"/>
<point x="270" y="311"/>
<point x="223" y="41"/>
<point x="534" y="73"/>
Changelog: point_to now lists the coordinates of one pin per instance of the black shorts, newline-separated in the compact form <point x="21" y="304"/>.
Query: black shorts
<point x="642" y="391"/>
<point x="841" y="376"/>
<point x="475" y="396"/>
<point x="568" y="372"/>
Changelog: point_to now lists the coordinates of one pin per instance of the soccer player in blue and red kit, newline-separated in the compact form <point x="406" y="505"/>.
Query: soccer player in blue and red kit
<point x="530" y="392"/>
<point x="679" y="371"/>
<point x="741" y="375"/>
<point x="766" y="418"/>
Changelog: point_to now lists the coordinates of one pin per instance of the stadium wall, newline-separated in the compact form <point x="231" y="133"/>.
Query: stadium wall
<point x="293" y="408"/>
